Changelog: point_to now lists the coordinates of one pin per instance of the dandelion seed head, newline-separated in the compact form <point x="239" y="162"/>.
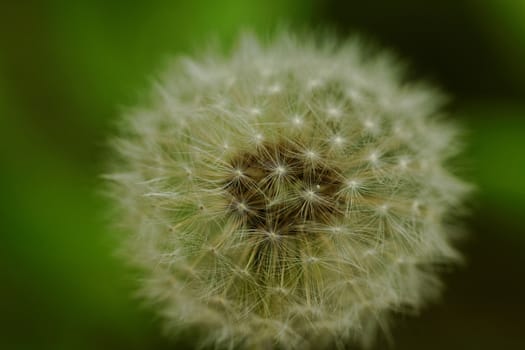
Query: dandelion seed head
<point x="269" y="200"/>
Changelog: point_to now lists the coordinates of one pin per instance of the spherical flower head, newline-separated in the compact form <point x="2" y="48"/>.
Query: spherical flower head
<point x="290" y="195"/>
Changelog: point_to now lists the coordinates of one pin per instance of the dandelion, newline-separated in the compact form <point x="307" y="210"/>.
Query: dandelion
<point x="288" y="195"/>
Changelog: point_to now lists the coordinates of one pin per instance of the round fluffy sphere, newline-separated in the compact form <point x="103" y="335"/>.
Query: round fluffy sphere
<point x="291" y="194"/>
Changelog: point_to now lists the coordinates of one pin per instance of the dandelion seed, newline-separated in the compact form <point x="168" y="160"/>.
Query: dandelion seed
<point x="382" y="210"/>
<point x="334" y="112"/>
<point x="374" y="158"/>
<point x="255" y="111"/>
<point x="280" y="170"/>
<point x="403" y="162"/>
<point x="274" y="89"/>
<point x="314" y="83"/>
<point x="353" y="184"/>
<point x="369" y="124"/>
<point x="297" y="121"/>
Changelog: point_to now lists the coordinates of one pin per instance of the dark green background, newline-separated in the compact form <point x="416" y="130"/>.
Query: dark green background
<point x="68" y="67"/>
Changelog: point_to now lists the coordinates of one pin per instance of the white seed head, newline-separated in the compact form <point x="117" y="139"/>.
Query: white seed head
<point x="286" y="216"/>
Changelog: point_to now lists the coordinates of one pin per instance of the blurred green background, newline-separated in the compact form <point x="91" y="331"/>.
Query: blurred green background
<point x="67" y="67"/>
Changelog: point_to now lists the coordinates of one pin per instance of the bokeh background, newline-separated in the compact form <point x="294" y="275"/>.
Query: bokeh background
<point x="67" y="67"/>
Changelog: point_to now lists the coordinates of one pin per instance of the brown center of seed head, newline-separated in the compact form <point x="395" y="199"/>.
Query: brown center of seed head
<point x="282" y="188"/>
